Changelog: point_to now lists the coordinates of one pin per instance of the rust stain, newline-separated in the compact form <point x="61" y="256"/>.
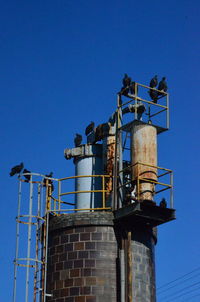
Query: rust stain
<point x="109" y="164"/>
<point x="144" y="150"/>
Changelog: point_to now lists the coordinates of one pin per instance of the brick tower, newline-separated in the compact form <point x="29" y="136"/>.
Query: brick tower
<point x="99" y="246"/>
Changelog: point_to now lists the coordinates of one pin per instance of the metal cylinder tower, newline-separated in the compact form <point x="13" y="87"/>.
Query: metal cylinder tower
<point x="144" y="158"/>
<point x="100" y="247"/>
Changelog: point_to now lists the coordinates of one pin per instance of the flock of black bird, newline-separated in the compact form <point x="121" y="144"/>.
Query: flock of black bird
<point x="130" y="87"/>
<point x="162" y="86"/>
<point x="78" y="138"/>
<point x="27" y="175"/>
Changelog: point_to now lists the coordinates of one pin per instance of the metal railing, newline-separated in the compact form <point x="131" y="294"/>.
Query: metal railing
<point x="56" y="207"/>
<point x="139" y="178"/>
<point x="136" y="98"/>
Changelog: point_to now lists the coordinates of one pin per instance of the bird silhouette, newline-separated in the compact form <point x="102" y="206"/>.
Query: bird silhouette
<point x="154" y="82"/>
<point x="101" y="131"/>
<point x="126" y="80"/>
<point x="162" y="86"/>
<point x="89" y="128"/>
<point x="133" y="88"/>
<point x="28" y="176"/>
<point x="163" y="203"/>
<point x="153" y="95"/>
<point x="16" y="169"/>
<point x="78" y="140"/>
<point x="50" y="182"/>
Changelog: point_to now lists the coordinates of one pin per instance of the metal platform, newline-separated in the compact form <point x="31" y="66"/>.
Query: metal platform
<point x="127" y="127"/>
<point x="145" y="212"/>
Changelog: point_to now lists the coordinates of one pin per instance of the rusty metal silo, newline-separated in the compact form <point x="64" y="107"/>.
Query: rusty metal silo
<point x="144" y="158"/>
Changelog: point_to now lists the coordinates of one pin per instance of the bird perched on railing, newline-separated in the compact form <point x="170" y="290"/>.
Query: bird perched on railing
<point x="126" y="81"/>
<point x="28" y="176"/>
<point x="154" y="82"/>
<point x="153" y="95"/>
<point x="50" y="182"/>
<point x="101" y="131"/>
<point x="16" y="169"/>
<point x="78" y="140"/>
<point x="89" y="128"/>
<point x="133" y="88"/>
<point x="163" y="203"/>
<point x="162" y="86"/>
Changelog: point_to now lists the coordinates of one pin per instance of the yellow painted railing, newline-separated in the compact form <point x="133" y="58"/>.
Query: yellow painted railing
<point x="139" y="178"/>
<point x="58" y="201"/>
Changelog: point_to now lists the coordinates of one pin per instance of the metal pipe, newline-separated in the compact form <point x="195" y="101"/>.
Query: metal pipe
<point x="84" y="209"/>
<point x="29" y="239"/>
<point x="59" y="193"/>
<point x="17" y="241"/>
<point x="115" y="168"/>
<point x="82" y="176"/>
<point x="168" y="111"/>
<point x="37" y="244"/>
<point x="129" y="268"/>
<point x="85" y="191"/>
<point x="122" y="274"/>
<point x="46" y="252"/>
<point x="137" y="98"/>
<point x="171" y="192"/>
<point x="119" y="157"/>
<point x="152" y="115"/>
<point x="103" y="191"/>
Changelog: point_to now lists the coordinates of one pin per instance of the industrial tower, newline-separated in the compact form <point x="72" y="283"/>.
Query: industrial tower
<point x="95" y="243"/>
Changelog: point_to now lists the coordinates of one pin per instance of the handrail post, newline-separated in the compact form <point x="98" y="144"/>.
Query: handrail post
<point x="171" y="191"/>
<point x="136" y="113"/>
<point x="138" y="184"/>
<point x="59" y="193"/>
<point x="103" y="191"/>
<point x="167" y="98"/>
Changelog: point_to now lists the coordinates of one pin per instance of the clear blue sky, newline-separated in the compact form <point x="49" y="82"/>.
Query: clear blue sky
<point x="61" y="65"/>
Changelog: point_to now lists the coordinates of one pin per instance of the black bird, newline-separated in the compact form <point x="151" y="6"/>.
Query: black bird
<point x="101" y="131"/>
<point x="162" y="85"/>
<point x="132" y="88"/>
<point x="163" y="203"/>
<point x="154" y="82"/>
<point x="126" y="80"/>
<point x="49" y="175"/>
<point x="16" y="169"/>
<point x="50" y="182"/>
<point x="28" y="177"/>
<point x="89" y="128"/>
<point x="153" y="95"/>
<point x="78" y="140"/>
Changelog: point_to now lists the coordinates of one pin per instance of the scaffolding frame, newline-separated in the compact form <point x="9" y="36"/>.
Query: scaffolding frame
<point x="120" y="146"/>
<point x="139" y="179"/>
<point x="41" y="204"/>
<point x="36" y="215"/>
<point x="136" y="98"/>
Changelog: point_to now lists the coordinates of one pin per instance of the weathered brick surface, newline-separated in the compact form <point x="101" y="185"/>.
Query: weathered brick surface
<point x="143" y="266"/>
<point x="82" y="258"/>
